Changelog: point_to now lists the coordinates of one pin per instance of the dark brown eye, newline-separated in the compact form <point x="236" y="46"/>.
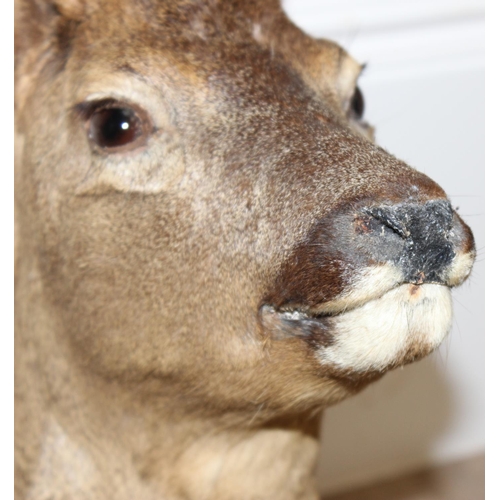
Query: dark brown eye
<point x="357" y="106"/>
<point x="115" y="126"/>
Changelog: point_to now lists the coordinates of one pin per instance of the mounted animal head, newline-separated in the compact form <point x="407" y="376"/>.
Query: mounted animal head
<point x="204" y="222"/>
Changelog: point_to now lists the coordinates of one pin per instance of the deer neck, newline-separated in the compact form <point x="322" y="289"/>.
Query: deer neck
<point x="85" y="437"/>
<point x="94" y="455"/>
<point x="268" y="462"/>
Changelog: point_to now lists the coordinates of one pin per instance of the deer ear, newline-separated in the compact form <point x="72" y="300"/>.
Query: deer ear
<point x="39" y="22"/>
<point x="43" y="30"/>
<point x="71" y="9"/>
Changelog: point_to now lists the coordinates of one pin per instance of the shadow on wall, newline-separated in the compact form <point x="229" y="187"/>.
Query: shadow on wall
<point x="463" y="480"/>
<point x="393" y="422"/>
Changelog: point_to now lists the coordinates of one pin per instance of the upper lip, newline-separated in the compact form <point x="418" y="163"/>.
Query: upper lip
<point x="297" y="312"/>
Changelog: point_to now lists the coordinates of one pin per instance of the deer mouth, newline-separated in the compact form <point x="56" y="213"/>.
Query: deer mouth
<point x="371" y="329"/>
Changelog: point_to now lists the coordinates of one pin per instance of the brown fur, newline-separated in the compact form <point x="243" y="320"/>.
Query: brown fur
<point x="143" y="366"/>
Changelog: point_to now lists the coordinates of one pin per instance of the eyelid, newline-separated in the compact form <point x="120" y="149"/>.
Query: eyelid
<point x="85" y="109"/>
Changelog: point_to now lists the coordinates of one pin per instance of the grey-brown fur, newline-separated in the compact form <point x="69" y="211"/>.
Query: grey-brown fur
<point x="144" y="366"/>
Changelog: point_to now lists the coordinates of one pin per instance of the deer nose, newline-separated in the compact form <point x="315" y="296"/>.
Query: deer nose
<point x="421" y="239"/>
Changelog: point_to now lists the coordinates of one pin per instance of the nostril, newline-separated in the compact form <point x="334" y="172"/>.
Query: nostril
<point x="412" y="220"/>
<point x="390" y="218"/>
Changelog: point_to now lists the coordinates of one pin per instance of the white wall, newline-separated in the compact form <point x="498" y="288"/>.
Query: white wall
<point x="424" y="91"/>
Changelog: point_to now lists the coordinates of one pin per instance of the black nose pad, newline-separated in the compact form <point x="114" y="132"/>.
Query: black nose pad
<point x="414" y="236"/>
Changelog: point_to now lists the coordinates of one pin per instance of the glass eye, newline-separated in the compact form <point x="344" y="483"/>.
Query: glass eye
<point x="357" y="104"/>
<point x="114" y="126"/>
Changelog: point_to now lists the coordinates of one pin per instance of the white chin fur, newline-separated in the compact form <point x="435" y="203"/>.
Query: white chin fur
<point x="407" y="321"/>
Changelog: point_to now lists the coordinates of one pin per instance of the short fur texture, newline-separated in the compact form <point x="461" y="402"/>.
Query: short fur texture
<point x="186" y="308"/>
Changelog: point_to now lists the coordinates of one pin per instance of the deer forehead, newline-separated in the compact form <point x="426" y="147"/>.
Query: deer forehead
<point x="184" y="43"/>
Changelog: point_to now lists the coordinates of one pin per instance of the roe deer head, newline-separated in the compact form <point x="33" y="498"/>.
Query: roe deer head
<point x="210" y="250"/>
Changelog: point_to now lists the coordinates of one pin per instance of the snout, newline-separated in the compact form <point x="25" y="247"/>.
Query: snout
<point x="369" y="289"/>
<point x="362" y="250"/>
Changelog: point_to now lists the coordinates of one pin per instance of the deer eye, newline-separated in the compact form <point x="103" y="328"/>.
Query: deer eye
<point x="115" y="126"/>
<point x="357" y="104"/>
